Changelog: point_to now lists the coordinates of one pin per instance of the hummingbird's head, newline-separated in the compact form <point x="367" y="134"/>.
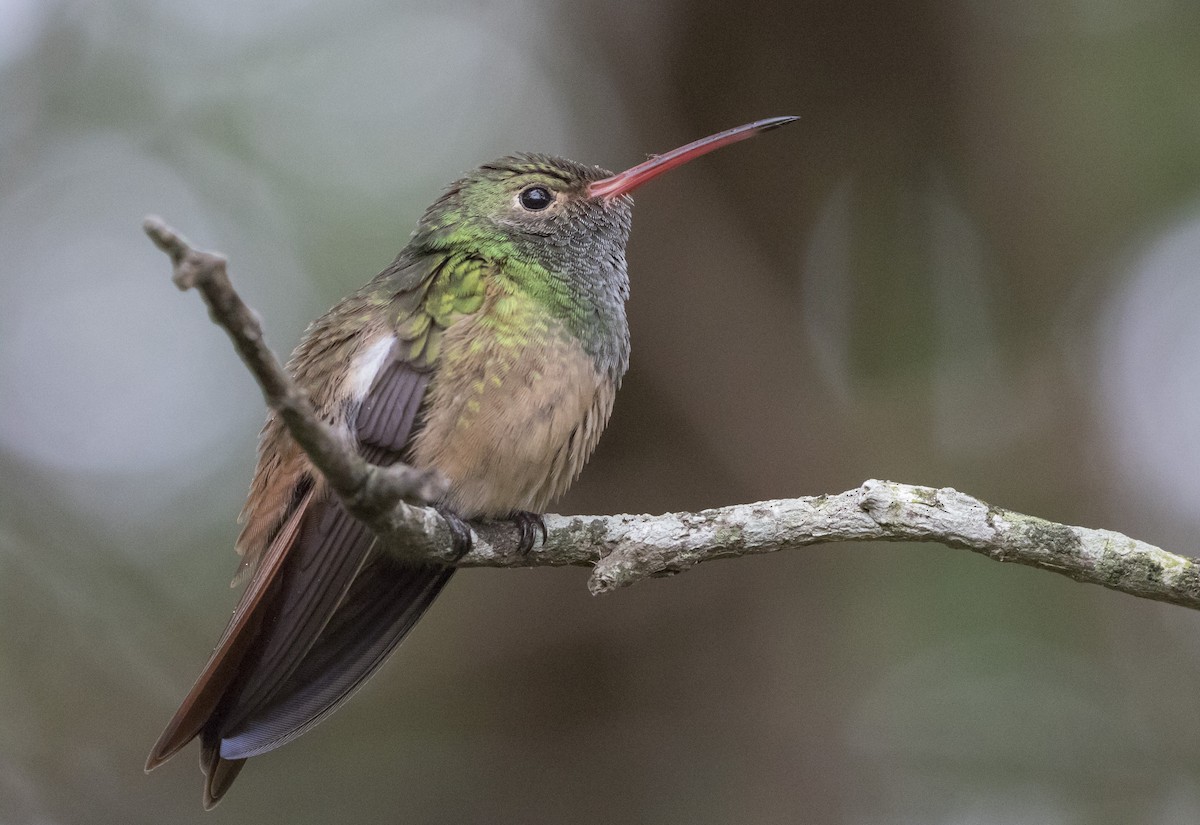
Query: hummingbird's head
<point x="559" y="229"/>
<point x="570" y="218"/>
<point x="533" y="206"/>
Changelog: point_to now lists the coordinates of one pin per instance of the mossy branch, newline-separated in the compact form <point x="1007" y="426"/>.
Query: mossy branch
<point x="625" y="549"/>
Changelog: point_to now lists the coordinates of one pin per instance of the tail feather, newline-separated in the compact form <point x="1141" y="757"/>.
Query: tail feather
<point x="202" y="700"/>
<point x="218" y="773"/>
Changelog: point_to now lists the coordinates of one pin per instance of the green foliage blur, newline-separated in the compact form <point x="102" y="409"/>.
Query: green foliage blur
<point x="973" y="263"/>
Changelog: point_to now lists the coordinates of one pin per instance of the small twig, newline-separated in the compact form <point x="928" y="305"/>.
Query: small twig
<point x="625" y="549"/>
<point x="368" y="491"/>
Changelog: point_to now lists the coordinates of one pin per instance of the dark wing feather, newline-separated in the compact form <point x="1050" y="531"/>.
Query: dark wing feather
<point x="386" y="416"/>
<point x="331" y="548"/>
<point x="385" y="601"/>
<point x="343" y="606"/>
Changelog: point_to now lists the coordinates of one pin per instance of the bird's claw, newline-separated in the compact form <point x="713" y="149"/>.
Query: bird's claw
<point x="460" y="532"/>
<point x="528" y="525"/>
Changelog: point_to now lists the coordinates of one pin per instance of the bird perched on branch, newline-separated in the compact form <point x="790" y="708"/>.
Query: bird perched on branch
<point x="491" y="350"/>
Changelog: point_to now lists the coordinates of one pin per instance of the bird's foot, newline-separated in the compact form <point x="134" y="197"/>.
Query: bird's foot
<point x="528" y="525"/>
<point x="460" y="532"/>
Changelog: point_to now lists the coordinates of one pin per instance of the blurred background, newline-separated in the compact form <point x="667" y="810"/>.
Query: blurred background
<point x="971" y="264"/>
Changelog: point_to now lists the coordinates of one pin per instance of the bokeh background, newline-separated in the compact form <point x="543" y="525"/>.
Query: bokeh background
<point x="973" y="263"/>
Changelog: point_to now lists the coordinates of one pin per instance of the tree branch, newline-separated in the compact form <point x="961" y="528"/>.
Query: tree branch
<point x="625" y="549"/>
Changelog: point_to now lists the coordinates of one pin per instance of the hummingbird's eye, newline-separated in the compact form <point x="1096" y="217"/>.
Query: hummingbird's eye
<point x="536" y="198"/>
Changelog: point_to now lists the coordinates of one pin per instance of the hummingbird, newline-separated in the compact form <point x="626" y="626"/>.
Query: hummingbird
<point x="491" y="349"/>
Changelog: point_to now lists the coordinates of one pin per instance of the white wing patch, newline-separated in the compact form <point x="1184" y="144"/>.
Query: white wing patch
<point x="367" y="363"/>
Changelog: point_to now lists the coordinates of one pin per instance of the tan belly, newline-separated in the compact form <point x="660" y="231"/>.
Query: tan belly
<point x="511" y="418"/>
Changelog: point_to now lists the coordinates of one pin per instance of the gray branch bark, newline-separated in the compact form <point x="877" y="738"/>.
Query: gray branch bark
<point x="625" y="549"/>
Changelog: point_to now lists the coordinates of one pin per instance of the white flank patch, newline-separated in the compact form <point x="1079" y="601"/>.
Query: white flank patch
<point x="366" y="366"/>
